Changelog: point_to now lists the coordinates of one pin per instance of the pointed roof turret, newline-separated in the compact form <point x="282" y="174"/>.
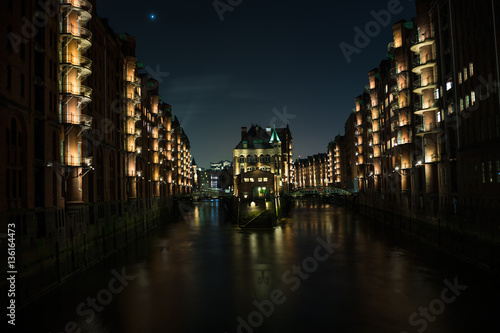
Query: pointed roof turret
<point x="274" y="136"/>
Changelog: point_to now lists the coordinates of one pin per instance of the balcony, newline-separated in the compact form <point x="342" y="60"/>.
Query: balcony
<point x="422" y="40"/>
<point x="429" y="129"/>
<point x="83" y="64"/>
<point x="395" y="105"/>
<point x="84" y="7"/>
<point x="77" y="90"/>
<point x="76" y="161"/>
<point x="82" y="120"/>
<point x="420" y="64"/>
<point x="390" y="47"/>
<point x="395" y="72"/>
<point x="133" y="97"/>
<point x="423" y="84"/>
<point x="136" y="81"/>
<point x="426" y="106"/>
<point x="82" y="34"/>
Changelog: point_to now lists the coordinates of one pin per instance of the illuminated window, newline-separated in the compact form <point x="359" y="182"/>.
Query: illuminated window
<point x="449" y="85"/>
<point x="242" y="159"/>
<point x="461" y="104"/>
<point x="460" y="78"/>
<point x="246" y="180"/>
<point x="465" y="74"/>
<point x="467" y="102"/>
<point x="490" y="171"/>
<point x="266" y="179"/>
<point x="473" y="97"/>
<point x="471" y="69"/>
<point x="259" y="180"/>
<point x="252" y="180"/>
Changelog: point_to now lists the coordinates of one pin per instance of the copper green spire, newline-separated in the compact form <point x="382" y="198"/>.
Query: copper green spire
<point x="274" y="136"/>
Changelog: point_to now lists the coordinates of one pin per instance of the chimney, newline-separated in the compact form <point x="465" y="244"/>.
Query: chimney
<point x="243" y="132"/>
<point x="268" y="130"/>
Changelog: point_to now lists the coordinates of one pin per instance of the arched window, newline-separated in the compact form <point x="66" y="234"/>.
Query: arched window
<point x="255" y="158"/>
<point x="13" y="133"/>
<point x="261" y="158"/>
<point x="249" y="158"/>
<point x="268" y="158"/>
<point x="242" y="159"/>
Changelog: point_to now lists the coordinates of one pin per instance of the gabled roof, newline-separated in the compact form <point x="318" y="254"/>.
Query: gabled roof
<point x="256" y="138"/>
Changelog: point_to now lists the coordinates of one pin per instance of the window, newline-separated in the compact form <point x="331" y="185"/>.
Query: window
<point x="242" y="166"/>
<point x="266" y="179"/>
<point x="249" y="159"/>
<point x="465" y="74"/>
<point x="461" y="104"/>
<point x="471" y="69"/>
<point x="252" y="180"/>
<point x="449" y="85"/>
<point x="9" y="38"/>
<point x="22" y="85"/>
<point x="8" y="77"/>
<point x="473" y="97"/>
<point x="255" y="158"/>
<point x="242" y="159"/>
<point x="261" y="158"/>
<point x="259" y="180"/>
<point x="467" y="102"/>
<point x="490" y="171"/>
<point x="460" y="78"/>
<point x="249" y="169"/>
<point x="268" y="158"/>
<point x="246" y="180"/>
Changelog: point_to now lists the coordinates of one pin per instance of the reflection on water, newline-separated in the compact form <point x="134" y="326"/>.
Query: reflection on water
<point x="205" y="274"/>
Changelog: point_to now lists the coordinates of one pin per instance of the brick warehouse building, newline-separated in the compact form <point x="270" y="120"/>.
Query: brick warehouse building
<point x="92" y="153"/>
<point x="427" y="130"/>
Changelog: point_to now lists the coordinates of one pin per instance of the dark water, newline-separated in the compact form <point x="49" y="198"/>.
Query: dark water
<point x="205" y="275"/>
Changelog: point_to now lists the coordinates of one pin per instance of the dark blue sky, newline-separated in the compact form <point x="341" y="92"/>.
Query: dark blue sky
<point x="264" y="56"/>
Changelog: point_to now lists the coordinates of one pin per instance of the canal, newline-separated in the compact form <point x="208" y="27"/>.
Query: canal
<point x="326" y="269"/>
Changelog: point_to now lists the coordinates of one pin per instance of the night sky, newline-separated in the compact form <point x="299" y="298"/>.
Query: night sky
<point x="265" y="55"/>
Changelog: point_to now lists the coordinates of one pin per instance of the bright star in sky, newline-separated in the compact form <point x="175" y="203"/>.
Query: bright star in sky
<point x="152" y="16"/>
